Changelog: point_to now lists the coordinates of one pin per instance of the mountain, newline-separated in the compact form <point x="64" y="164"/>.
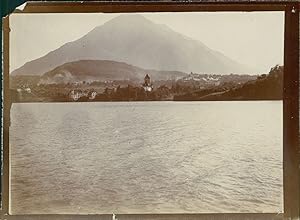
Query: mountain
<point x="138" y="41"/>
<point x="101" y="70"/>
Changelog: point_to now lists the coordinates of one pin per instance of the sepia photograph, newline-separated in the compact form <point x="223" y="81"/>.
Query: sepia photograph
<point x="139" y="113"/>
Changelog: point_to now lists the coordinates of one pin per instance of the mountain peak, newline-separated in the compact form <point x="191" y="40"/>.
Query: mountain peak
<point x="130" y="16"/>
<point x="129" y="20"/>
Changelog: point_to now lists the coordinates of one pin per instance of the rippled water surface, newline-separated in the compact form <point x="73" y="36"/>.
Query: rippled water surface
<point x="146" y="157"/>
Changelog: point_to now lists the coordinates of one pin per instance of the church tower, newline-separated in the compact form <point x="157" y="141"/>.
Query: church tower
<point x="148" y="87"/>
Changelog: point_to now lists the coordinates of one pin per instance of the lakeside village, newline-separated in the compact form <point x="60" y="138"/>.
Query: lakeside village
<point x="193" y="87"/>
<point x="109" y="90"/>
<point x="77" y="94"/>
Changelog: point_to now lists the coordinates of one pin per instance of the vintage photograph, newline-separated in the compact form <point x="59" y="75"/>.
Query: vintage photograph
<point x="132" y="113"/>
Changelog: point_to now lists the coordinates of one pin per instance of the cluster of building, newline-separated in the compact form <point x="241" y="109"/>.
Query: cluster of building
<point x="76" y="94"/>
<point x="23" y="89"/>
<point x="204" y="78"/>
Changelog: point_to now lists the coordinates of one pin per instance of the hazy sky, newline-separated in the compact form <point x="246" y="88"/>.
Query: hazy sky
<point x="251" y="38"/>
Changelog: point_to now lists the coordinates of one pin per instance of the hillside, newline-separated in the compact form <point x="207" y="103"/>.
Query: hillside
<point x="135" y="40"/>
<point x="265" y="87"/>
<point x="103" y="70"/>
<point x="269" y="87"/>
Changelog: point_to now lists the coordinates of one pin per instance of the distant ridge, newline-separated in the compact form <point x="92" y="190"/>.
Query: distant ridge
<point x="102" y="70"/>
<point x="137" y="41"/>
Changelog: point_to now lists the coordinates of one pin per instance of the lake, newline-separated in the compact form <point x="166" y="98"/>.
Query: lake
<point x="146" y="157"/>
